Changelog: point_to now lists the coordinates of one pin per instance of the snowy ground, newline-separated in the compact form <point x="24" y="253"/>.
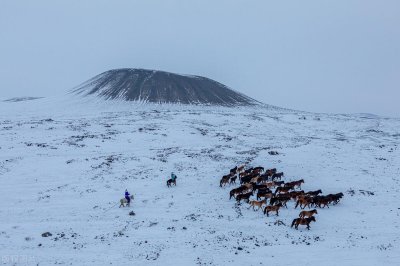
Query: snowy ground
<point x="64" y="165"/>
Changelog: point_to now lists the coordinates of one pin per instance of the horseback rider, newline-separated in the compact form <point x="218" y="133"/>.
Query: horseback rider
<point x="127" y="196"/>
<point x="173" y="176"/>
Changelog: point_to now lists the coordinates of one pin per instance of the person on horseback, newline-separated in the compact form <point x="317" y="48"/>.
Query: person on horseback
<point x="173" y="176"/>
<point x="127" y="196"/>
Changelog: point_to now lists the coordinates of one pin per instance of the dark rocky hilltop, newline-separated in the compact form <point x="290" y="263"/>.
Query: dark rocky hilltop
<point x="161" y="87"/>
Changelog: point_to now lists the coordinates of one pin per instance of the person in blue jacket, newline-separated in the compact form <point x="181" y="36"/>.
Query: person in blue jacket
<point x="173" y="176"/>
<point x="127" y="196"/>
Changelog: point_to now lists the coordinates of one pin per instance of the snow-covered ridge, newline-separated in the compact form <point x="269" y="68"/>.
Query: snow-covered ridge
<point x="22" y="99"/>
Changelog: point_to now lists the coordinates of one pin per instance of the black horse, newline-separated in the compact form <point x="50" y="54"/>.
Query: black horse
<point x="171" y="182"/>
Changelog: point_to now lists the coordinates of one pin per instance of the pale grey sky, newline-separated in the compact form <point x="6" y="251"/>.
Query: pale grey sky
<point x="322" y="56"/>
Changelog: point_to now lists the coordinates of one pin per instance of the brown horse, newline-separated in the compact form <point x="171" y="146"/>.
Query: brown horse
<point x="295" y="194"/>
<point x="240" y="168"/>
<point x="303" y="221"/>
<point x="274" y="208"/>
<point x="298" y="183"/>
<point x="303" y="202"/>
<point x="254" y="179"/>
<point x="259" y="204"/>
<point x="305" y="214"/>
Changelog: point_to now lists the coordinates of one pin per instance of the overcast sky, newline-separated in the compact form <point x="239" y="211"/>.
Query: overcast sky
<point x="322" y="56"/>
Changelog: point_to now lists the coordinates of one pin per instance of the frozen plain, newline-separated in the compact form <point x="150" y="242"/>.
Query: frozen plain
<point x="65" y="163"/>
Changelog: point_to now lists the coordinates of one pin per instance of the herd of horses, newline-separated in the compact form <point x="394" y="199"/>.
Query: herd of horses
<point x="267" y="185"/>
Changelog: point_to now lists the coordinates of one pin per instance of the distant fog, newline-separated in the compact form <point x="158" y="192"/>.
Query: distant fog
<point x="322" y="56"/>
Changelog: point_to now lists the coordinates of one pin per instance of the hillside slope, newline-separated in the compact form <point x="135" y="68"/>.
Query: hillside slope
<point x="64" y="166"/>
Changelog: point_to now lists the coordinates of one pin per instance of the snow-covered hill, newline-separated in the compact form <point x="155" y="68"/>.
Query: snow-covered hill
<point x="142" y="85"/>
<point x="64" y="165"/>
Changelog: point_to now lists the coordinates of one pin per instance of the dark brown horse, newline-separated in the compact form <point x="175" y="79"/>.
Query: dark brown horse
<point x="236" y="191"/>
<point x="233" y="171"/>
<point x="264" y="194"/>
<point x="270" y="172"/>
<point x="244" y="196"/>
<point x="278" y="183"/>
<point x="294" y="183"/>
<point x="303" y="221"/>
<point x="335" y="198"/>
<point x="313" y="193"/>
<point x="283" y="189"/>
<point x="277" y="176"/>
<point x="279" y="199"/>
<point x="224" y="180"/>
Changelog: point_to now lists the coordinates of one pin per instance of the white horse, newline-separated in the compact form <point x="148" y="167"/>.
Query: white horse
<point x="124" y="201"/>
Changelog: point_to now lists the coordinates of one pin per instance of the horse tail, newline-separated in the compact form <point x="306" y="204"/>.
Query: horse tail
<point x="294" y="221"/>
<point x="220" y="183"/>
